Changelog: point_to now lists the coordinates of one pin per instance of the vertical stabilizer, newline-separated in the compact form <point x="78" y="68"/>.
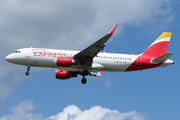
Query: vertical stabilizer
<point x="159" y="46"/>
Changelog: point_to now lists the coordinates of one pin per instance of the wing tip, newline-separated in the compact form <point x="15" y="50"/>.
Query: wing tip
<point x="100" y="73"/>
<point x="113" y="29"/>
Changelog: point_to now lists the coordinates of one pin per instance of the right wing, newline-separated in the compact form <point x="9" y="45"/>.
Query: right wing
<point x="86" y="56"/>
<point x="96" y="47"/>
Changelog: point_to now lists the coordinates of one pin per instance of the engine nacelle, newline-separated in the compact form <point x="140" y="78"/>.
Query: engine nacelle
<point x="64" y="74"/>
<point x="64" y="61"/>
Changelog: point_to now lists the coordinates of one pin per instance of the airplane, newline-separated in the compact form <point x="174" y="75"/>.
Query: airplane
<point x="71" y="63"/>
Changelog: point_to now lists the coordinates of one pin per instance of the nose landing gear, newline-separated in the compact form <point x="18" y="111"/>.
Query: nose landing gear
<point x="27" y="72"/>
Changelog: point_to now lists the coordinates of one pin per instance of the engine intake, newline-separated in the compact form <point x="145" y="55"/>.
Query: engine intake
<point x="64" y="74"/>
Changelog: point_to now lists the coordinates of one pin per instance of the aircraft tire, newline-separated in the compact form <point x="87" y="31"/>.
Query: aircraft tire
<point x="27" y="73"/>
<point x="83" y="81"/>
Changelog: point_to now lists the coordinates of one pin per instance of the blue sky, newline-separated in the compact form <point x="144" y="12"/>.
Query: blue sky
<point x="144" y="95"/>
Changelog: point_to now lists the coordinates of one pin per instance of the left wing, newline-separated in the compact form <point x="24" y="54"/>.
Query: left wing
<point x="86" y="55"/>
<point x="96" y="75"/>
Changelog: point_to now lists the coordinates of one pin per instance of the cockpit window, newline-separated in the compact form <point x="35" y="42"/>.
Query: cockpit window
<point x="17" y="51"/>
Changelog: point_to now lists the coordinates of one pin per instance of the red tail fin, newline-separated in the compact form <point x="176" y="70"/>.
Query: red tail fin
<point x="159" y="46"/>
<point x="154" y="55"/>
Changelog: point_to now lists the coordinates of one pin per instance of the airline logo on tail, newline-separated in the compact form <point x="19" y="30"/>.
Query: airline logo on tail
<point x="159" y="46"/>
<point x="154" y="55"/>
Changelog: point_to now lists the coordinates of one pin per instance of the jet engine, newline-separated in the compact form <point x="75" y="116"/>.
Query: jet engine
<point x="64" y="61"/>
<point x="64" y="74"/>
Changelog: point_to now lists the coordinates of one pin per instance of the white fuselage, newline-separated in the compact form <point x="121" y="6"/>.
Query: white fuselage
<point x="47" y="58"/>
<point x="39" y="57"/>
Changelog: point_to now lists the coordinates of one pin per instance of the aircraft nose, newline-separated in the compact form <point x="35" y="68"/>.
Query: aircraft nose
<point x="9" y="58"/>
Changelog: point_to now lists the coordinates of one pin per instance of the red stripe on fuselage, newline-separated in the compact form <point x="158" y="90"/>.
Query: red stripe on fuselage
<point x="145" y="63"/>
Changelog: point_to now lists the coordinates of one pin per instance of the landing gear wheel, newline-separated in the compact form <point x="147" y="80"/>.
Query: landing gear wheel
<point x="85" y="72"/>
<point x="27" y="73"/>
<point x="83" y="81"/>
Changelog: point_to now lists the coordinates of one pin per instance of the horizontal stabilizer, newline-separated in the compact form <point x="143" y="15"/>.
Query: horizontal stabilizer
<point x="162" y="58"/>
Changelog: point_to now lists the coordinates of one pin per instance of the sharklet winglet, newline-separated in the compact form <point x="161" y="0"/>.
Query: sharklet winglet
<point x="113" y="29"/>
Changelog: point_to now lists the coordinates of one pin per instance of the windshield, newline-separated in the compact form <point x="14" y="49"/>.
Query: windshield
<point x="17" y="51"/>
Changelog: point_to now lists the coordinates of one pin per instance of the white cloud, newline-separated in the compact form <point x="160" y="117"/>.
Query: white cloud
<point x="71" y="112"/>
<point x="60" y="24"/>
<point x="67" y="24"/>
<point x="20" y="112"/>
<point x="23" y="107"/>
<point x="8" y="80"/>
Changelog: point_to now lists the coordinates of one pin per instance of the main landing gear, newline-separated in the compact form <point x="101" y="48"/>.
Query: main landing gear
<point x="27" y="72"/>
<point x="84" y="80"/>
